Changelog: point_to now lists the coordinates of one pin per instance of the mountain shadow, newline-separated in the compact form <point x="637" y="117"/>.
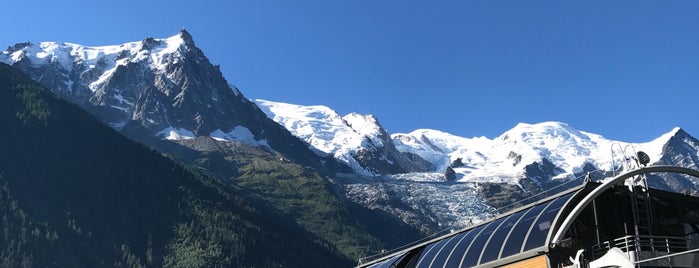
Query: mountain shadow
<point x="75" y="193"/>
<point x="309" y="197"/>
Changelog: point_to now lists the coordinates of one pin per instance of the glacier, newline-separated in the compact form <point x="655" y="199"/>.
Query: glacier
<point x="427" y="199"/>
<point x="501" y="159"/>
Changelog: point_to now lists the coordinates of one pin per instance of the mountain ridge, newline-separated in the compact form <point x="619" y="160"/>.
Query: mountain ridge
<point x="164" y="88"/>
<point x="508" y="155"/>
<point x="428" y="179"/>
<point x="357" y="140"/>
<point x="470" y="178"/>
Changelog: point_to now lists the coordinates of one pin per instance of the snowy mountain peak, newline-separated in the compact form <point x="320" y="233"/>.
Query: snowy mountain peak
<point x="356" y="140"/>
<point x="320" y="126"/>
<point x="176" y="43"/>
<point x="526" y="150"/>
<point x="324" y="129"/>
<point x="186" y="37"/>
<point x="179" y="43"/>
<point x="156" y="87"/>
<point x="510" y="155"/>
<point x="530" y="132"/>
<point x="75" y="67"/>
<point x="367" y="126"/>
<point x="678" y="131"/>
<point x="65" y="53"/>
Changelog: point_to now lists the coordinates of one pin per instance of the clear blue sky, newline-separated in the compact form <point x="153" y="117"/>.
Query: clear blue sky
<point x="627" y="70"/>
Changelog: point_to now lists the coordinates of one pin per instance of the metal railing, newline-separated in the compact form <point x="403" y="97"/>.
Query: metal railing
<point x="664" y="244"/>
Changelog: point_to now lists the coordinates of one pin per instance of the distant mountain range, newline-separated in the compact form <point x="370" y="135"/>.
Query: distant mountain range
<point x="527" y="151"/>
<point x="443" y="180"/>
<point x="344" y="179"/>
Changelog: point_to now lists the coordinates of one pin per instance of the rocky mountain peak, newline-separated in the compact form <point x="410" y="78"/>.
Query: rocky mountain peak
<point x="186" y="37"/>
<point x="678" y="132"/>
<point x="138" y="81"/>
<point x="180" y="43"/>
<point x="681" y="145"/>
<point x="155" y="88"/>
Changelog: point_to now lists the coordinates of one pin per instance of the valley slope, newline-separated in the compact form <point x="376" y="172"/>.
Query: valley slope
<point x="75" y="193"/>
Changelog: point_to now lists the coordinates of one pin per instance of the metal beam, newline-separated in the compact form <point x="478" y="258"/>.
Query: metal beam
<point x="610" y="183"/>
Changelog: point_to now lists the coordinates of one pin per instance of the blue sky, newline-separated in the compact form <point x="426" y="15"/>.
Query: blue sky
<point x="628" y="70"/>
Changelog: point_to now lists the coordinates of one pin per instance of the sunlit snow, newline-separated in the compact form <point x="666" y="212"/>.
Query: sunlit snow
<point x="171" y="133"/>
<point x="121" y="99"/>
<point x="108" y="58"/>
<point x="239" y="133"/>
<point x="123" y="109"/>
<point x="502" y="159"/>
<point x="325" y="130"/>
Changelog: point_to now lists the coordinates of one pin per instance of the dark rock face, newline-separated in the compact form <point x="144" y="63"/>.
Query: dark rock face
<point x="384" y="161"/>
<point x="682" y="150"/>
<point x="417" y="160"/>
<point x="384" y="158"/>
<point x="516" y="158"/>
<point x="542" y="172"/>
<point x="457" y="163"/>
<point x="450" y="175"/>
<point x="592" y="173"/>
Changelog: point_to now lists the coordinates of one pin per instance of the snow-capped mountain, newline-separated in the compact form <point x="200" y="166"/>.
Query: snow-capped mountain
<point x="541" y="153"/>
<point x="530" y="157"/>
<point x="680" y="149"/>
<point x="356" y="140"/>
<point x="533" y="159"/>
<point x="510" y="156"/>
<point x="163" y="88"/>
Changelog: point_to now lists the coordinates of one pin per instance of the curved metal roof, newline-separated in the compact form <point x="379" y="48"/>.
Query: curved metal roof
<point x="525" y="230"/>
<point x="610" y="183"/>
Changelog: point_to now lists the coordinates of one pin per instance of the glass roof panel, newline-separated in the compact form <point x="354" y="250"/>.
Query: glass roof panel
<point x="474" y="252"/>
<point x="540" y="229"/>
<point x="514" y="242"/>
<point x="390" y="263"/>
<point x="458" y="252"/>
<point x="492" y="250"/>
<point x="427" y="249"/>
<point x="426" y="259"/>
<point x="443" y="254"/>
